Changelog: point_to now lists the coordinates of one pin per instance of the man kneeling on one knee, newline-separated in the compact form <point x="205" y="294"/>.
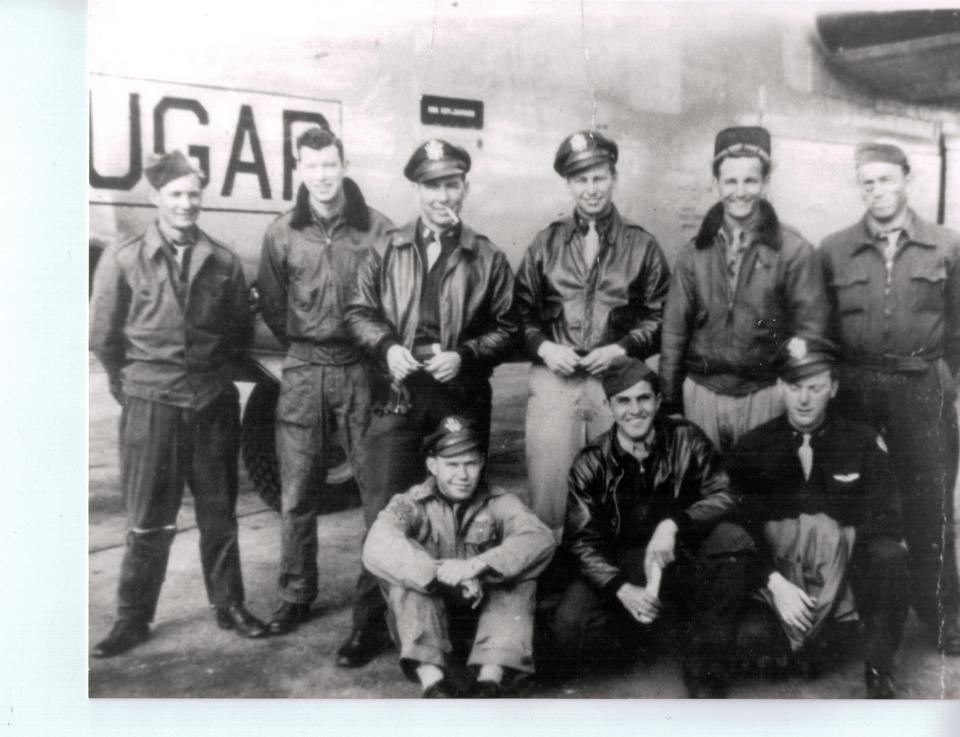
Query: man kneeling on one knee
<point x="644" y="501"/>
<point x="820" y="498"/>
<point x="458" y="558"/>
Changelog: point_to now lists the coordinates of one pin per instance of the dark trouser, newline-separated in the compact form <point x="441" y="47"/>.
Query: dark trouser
<point x="396" y="463"/>
<point x="914" y="412"/>
<point x="162" y="448"/>
<point x="879" y="576"/>
<point x="591" y="628"/>
<point x="314" y="401"/>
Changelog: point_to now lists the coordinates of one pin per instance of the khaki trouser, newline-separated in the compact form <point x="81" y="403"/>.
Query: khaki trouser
<point x="503" y="626"/>
<point x="563" y="415"/>
<point x="726" y="418"/>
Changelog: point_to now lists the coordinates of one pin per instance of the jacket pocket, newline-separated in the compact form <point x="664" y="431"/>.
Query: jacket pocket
<point x="851" y="291"/>
<point x="928" y="282"/>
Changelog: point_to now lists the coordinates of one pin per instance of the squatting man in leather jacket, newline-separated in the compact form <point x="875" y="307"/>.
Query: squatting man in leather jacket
<point x="644" y="503"/>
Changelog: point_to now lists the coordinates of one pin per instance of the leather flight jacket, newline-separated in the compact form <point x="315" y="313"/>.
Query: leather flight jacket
<point x="684" y="468"/>
<point x="476" y="304"/>
<point x="620" y="300"/>
<point x="724" y="338"/>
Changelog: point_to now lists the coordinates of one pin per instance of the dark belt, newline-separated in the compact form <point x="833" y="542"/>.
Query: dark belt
<point x="890" y="364"/>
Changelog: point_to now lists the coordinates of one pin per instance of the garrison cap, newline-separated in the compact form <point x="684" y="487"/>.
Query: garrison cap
<point x="872" y="152"/>
<point x="436" y="159"/>
<point x="162" y="169"/>
<point x="799" y="358"/>
<point x="582" y="150"/>
<point x="625" y="371"/>
<point x="454" y="435"/>
<point x="749" y="140"/>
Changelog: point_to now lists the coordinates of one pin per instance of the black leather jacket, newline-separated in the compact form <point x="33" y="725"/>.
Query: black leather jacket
<point x="684" y="467"/>
<point x="619" y="301"/>
<point x="476" y="297"/>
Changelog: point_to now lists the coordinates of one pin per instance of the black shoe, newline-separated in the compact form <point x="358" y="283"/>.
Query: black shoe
<point x="124" y="636"/>
<point x="361" y="647"/>
<point x="879" y="684"/>
<point x="235" y="617"/>
<point x="948" y="638"/>
<point x="442" y="689"/>
<point x="288" y="617"/>
<point x="487" y="690"/>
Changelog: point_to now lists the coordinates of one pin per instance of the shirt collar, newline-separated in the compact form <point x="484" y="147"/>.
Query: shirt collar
<point x="878" y="231"/>
<point x="604" y="221"/>
<point x="173" y="237"/>
<point x="728" y="228"/>
<point x="623" y="451"/>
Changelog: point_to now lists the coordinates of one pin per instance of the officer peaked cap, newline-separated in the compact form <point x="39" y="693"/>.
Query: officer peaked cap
<point x="584" y="149"/>
<point x="800" y="357"/>
<point x="436" y="159"/>
<point x="454" y="435"/>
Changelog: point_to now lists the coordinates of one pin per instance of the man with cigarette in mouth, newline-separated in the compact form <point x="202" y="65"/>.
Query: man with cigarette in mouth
<point x="641" y="531"/>
<point x="591" y="288"/>
<point x="433" y="312"/>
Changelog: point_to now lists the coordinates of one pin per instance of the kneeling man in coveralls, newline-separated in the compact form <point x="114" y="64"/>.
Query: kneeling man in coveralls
<point x="459" y="560"/>
<point x="820" y="497"/>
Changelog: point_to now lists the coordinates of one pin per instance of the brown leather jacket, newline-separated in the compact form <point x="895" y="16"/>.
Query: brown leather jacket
<point x="688" y="485"/>
<point x="726" y="341"/>
<point x="476" y="297"/>
<point x="306" y="274"/>
<point x="619" y="301"/>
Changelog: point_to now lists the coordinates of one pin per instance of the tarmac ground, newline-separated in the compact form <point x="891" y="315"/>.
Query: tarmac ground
<point x="189" y="657"/>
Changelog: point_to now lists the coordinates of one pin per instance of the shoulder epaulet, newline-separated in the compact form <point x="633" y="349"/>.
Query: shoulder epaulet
<point x="128" y="241"/>
<point x="219" y="244"/>
<point x="633" y="225"/>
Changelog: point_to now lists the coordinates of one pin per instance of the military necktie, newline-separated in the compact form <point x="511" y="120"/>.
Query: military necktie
<point x="806" y="456"/>
<point x="591" y="244"/>
<point x="892" y="239"/>
<point x="180" y="253"/>
<point x="735" y="256"/>
<point x="433" y="249"/>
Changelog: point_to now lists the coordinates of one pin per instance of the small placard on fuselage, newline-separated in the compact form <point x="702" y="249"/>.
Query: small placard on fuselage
<point x="452" y="112"/>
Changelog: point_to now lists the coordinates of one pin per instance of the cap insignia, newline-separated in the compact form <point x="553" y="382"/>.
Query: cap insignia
<point x="452" y="425"/>
<point x="578" y="142"/>
<point x="434" y="150"/>
<point x="797" y="348"/>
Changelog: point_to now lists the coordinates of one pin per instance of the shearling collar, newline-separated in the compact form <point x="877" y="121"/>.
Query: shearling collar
<point x="768" y="228"/>
<point x="355" y="212"/>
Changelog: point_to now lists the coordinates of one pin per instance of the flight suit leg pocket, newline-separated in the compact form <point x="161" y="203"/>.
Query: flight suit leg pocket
<point x="300" y="389"/>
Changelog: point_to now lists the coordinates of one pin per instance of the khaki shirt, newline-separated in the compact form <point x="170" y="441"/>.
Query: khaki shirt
<point x="419" y="529"/>
<point x="162" y="337"/>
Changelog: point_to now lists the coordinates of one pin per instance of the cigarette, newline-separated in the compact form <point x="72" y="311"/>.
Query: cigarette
<point x="452" y="214"/>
